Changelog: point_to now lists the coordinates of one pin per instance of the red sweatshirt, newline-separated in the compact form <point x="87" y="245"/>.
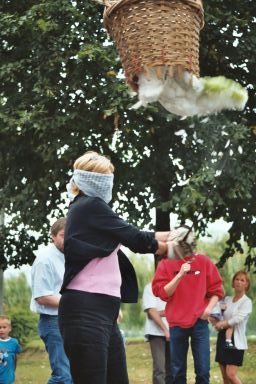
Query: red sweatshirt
<point x="193" y="292"/>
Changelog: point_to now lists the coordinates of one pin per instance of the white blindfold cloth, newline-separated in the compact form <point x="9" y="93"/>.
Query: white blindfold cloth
<point x="92" y="184"/>
<point x="176" y="236"/>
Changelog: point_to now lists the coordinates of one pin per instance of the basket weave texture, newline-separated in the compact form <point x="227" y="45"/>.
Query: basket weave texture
<point x="151" y="33"/>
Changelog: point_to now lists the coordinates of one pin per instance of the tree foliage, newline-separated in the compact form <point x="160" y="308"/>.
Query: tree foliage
<point x="60" y="95"/>
<point x="133" y="315"/>
<point x="17" y="292"/>
<point x="17" y="296"/>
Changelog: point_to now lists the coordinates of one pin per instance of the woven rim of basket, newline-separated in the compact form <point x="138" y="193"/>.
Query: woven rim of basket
<point x="111" y="6"/>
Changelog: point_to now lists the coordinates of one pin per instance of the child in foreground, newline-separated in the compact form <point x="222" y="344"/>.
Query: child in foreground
<point x="9" y="347"/>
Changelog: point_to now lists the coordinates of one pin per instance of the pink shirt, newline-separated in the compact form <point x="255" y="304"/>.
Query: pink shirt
<point x="100" y="275"/>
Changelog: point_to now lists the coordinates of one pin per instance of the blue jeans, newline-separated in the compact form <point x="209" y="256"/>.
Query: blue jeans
<point x="49" y="332"/>
<point x="200" y="345"/>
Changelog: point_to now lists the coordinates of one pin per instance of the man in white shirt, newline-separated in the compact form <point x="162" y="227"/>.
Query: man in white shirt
<point x="157" y="333"/>
<point x="46" y="278"/>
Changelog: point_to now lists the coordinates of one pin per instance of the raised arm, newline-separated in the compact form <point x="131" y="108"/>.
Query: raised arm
<point x="172" y="285"/>
<point x="163" y="285"/>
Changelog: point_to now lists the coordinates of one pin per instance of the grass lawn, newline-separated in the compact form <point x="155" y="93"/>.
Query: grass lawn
<point x="33" y="366"/>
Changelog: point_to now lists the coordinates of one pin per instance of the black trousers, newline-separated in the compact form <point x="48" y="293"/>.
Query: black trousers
<point x="92" y="339"/>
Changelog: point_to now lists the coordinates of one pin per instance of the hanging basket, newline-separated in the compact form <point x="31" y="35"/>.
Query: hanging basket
<point x="152" y="33"/>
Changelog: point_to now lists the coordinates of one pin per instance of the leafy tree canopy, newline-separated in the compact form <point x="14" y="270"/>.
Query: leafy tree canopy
<point x="61" y="95"/>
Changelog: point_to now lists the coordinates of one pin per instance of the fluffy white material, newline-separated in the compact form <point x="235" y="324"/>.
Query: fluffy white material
<point x="150" y="87"/>
<point x="186" y="95"/>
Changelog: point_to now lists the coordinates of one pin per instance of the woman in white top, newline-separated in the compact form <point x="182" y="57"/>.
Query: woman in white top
<point x="238" y="309"/>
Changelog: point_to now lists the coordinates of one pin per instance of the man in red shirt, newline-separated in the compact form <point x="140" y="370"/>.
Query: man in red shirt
<point x="191" y="285"/>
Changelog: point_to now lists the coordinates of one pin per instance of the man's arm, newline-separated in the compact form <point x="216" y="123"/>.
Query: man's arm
<point x="154" y="315"/>
<point x="161" y="313"/>
<point x="49" y="301"/>
<point x="43" y="285"/>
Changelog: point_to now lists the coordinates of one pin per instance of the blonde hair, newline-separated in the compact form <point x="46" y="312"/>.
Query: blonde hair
<point x="92" y="162"/>
<point x="247" y="278"/>
<point x="5" y="318"/>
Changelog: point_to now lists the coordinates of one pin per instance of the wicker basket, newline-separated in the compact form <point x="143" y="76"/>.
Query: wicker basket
<point x="151" y="33"/>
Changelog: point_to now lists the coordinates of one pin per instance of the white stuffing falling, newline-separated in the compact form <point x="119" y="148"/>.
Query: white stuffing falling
<point x="185" y="95"/>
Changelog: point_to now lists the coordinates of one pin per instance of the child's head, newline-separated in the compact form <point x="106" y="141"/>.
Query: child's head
<point x="5" y="327"/>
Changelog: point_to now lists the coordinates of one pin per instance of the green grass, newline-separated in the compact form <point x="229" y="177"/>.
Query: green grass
<point x="33" y="366"/>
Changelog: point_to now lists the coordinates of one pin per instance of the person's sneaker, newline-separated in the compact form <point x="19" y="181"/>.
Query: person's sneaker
<point x="229" y="345"/>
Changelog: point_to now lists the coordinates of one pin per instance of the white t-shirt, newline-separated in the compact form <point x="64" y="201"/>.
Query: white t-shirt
<point x="237" y="314"/>
<point x="151" y="301"/>
<point x="46" y="277"/>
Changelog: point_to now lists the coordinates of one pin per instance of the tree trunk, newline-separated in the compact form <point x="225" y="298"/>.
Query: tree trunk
<point x="1" y="265"/>
<point x="162" y="220"/>
<point x="162" y="224"/>
<point x="1" y="290"/>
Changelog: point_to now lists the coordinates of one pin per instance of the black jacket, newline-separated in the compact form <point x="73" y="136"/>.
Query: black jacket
<point x="93" y="230"/>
